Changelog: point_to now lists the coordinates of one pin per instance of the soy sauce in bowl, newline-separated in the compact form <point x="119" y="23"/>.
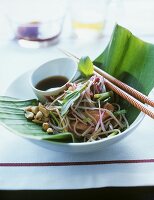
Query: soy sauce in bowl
<point x="51" y="82"/>
<point x="51" y="78"/>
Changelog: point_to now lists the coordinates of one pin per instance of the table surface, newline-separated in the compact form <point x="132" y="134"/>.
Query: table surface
<point x="16" y="60"/>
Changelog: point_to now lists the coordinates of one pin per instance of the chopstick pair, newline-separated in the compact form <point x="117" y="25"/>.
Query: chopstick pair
<point x="113" y="83"/>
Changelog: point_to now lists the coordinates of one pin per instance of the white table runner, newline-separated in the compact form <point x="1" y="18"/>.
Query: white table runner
<point x="130" y="162"/>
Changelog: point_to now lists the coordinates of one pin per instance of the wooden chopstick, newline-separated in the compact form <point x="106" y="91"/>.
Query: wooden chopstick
<point x="136" y="103"/>
<point x="109" y="80"/>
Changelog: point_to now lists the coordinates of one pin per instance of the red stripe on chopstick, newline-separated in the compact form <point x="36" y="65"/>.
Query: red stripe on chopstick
<point x="63" y="164"/>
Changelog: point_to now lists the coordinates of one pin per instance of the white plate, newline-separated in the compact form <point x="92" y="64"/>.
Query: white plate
<point x="21" y="89"/>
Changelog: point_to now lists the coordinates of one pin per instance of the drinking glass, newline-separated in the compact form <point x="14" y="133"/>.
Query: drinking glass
<point x="36" y="23"/>
<point x="88" y="17"/>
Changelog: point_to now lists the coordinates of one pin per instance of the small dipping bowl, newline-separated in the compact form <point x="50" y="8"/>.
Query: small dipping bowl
<point x="65" y="67"/>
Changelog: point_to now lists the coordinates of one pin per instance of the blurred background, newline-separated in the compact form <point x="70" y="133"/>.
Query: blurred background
<point x="46" y="21"/>
<point x="31" y="31"/>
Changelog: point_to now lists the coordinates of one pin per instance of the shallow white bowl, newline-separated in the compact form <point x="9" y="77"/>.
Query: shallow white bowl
<point x="16" y="90"/>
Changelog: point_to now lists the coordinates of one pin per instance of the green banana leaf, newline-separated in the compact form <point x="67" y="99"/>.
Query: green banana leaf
<point x="12" y="117"/>
<point x="131" y="60"/>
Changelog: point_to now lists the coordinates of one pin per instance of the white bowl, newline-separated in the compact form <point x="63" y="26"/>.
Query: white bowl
<point x="16" y="90"/>
<point x="66" y="67"/>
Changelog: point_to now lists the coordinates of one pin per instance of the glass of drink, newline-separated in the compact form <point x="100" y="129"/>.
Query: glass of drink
<point x="88" y="17"/>
<point x="36" y="23"/>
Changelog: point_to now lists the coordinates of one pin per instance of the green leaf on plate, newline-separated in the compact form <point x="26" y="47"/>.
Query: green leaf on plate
<point x="85" y="66"/>
<point x="70" y="100"/>
<point x="71" y="97"/>
<point x="12" y="117"/>
<point x="131" y="60"/>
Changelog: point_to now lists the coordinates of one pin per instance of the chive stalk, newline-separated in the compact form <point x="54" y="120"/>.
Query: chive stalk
<point x="113" y="134"/>
<point x="103" y="96"/>
<point x="119" y="112"/>
<point x="54" y="118"/>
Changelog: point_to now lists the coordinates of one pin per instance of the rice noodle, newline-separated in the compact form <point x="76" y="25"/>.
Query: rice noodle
<point x="74" y="128"/>
<point x="79" y="101"/>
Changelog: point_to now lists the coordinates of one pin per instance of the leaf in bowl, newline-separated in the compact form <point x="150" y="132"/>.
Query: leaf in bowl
<point x="12" y="116"/>
<point x="85" y="66"/>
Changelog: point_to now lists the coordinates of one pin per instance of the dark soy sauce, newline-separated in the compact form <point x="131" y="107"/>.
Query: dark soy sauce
<point x="51" y="82"/>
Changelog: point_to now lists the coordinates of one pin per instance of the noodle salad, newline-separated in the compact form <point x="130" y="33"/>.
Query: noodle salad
<point x="86" y="108"/>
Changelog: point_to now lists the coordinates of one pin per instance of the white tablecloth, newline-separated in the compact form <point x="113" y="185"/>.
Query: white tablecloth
<point x="23" y="165"/>
<point x="129" y="162"/>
